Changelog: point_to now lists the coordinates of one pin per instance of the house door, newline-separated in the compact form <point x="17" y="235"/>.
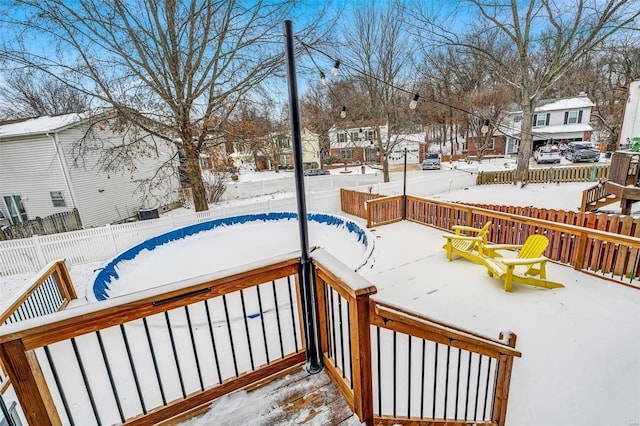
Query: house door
<point x="17" y="213"/>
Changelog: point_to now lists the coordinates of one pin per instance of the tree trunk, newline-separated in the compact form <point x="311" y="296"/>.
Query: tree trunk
<point x="526" y="142"/>
<point x="385" y="168"/>
<point x="192" y="166"/>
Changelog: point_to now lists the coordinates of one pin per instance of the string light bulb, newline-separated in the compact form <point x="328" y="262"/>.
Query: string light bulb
<point x="343" y="113"/>
<point x="323" y="79"/>
<point x="485" y="127"/>
<point x="336" y="67"/>
<point x="414" y="102"/>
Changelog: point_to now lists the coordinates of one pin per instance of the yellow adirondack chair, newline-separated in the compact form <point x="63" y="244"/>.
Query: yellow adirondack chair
<point x="467" y="242"/>
<point x="528" y="267"/>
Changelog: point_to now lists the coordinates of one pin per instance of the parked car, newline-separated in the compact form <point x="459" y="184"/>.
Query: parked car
<point x="316" y="172"/>
<point x="431" y="161"/>
<point x="547" y="154"/>
<point x="582" y="151"/>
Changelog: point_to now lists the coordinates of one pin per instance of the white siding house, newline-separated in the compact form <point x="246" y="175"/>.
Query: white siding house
<point x="631" y="121"/>
<point x="40" y="174"/>
<point x="554" y="121"/>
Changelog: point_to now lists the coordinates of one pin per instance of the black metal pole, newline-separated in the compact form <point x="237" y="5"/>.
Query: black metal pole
<point x="310" y="309"/>
<point x="404" y="188"/>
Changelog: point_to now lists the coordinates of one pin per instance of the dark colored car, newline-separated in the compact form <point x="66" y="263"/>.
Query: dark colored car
<point x="582" y="151"/>
<point x="316" y="172"/>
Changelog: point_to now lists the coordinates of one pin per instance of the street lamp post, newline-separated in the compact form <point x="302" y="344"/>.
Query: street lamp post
<point x="404" y="187"/>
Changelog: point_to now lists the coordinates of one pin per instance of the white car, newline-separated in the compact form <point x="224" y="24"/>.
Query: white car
<point x="547" y="154"/>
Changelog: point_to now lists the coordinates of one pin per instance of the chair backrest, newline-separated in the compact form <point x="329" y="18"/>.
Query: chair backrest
<point x="484" y="232"/>
<point x="534" y="246"/>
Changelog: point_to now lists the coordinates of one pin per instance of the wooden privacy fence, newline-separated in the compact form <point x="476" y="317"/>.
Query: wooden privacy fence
<point x="354" y="202"/>
<point x="605" y="245"/>
<point x="552" y="174"/>
<point x="147" y="357"/>
<point x="384" y="360"/>
<point x="53" y="224"/>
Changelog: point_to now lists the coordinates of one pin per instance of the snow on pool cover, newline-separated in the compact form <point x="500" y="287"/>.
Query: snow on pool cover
<point x="226" y="243"/>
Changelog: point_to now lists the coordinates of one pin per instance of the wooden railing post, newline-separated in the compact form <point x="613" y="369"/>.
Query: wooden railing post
<point x="578" y="253"/>
<point x="503" y="380"/>
<point x="65" y="285"/>
<point x="361" y="353"/>
<point x="369" y="214"/>
<point x="29" y="384"/>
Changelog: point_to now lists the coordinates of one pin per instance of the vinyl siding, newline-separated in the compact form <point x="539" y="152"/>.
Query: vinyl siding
<point x="30" y="168"/>
<point x="103" y="198"/>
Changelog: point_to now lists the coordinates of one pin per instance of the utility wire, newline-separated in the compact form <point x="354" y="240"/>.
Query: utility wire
<point x="507" y="130"/>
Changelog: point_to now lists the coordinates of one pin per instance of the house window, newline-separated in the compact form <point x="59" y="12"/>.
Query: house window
<point x="283" y="143"/>
<point x="540" y="120"/>
<point x="355" y="136"/>
<point x="370" y="135"/>
<point x="17" y="213"/>
<point x="57" y="198"/>
<point x="490" y="145"/>
<point x="512" y="146"/>
<point x="346" y="154"/>
<point x="342" y="137"/>
<point x="517" y="118"/>
<point x="285" y="160"/>
<point x="572" y="117"/>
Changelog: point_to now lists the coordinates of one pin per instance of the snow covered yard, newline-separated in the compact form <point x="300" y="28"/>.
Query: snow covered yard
<point x="579" y="363"/>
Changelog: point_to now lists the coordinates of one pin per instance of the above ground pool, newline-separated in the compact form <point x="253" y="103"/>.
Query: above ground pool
<point x="226" y="243"/>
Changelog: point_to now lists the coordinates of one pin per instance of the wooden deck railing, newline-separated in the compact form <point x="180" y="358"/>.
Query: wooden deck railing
<point x="50" y="291"/>
<point x="117" y="361"/>
<point x="368" y="347"/>
<point x="551" y="174"/>
<point x="611" y="256"/>
<point x="382" y="211"/>
<point x="147" y="357"/>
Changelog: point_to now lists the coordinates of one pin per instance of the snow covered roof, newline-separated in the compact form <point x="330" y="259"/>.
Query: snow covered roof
<point x="566" y="103"/>
<point x="547" y="105"/>
<point x="40" y="125"/>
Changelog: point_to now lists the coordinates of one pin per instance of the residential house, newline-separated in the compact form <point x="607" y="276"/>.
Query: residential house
<point x="355" y="141"/>
<point x="310" y="149"/>
<point x="631" y="122"/>
<point x="554" y="121"/>
<point x="41" y="173"/>
<point x="415" y="146"/>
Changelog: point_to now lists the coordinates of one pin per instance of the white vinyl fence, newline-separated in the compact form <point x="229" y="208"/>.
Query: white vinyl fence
<point x="89" y="245"/>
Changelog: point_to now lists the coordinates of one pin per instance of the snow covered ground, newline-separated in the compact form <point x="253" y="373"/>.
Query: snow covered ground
<point x="579" y="344"/>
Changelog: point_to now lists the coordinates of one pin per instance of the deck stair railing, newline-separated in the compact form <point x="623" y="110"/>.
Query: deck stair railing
<point x="392" y="365"/>
<point x="595" y="197"/>
<point x="50" y="291"/>
<point x="163" y="353"/>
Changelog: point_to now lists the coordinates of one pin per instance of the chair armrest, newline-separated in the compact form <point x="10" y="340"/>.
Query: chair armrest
<point x="462" y="238"/>
<point x="502" y="246"/>
<point x="458" y="228"/>
<point x="517" y="262"/>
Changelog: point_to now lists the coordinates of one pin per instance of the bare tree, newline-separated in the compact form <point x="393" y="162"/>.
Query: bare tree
<point x="27" y="93"/>
<point x="531" y="44"/>
<point x="175" y="69"/>
<point x="376" y="42"/>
